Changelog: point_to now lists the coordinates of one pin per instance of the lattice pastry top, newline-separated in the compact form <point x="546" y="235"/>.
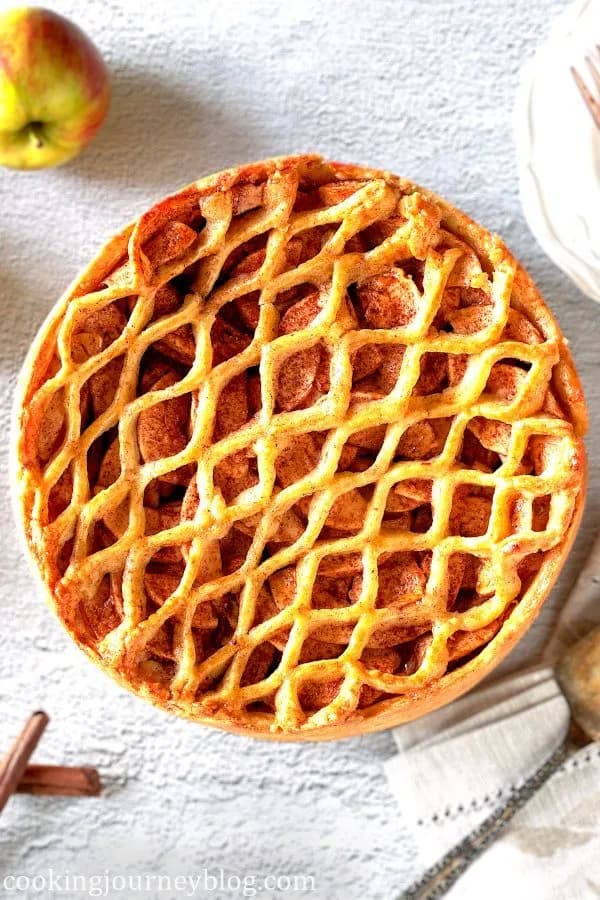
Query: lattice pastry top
<point x="300" y="454"/>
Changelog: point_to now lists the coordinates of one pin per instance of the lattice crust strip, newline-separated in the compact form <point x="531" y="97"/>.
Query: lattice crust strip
<point x="304" y="442"/>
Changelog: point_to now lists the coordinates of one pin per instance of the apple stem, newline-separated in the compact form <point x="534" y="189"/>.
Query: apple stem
<point x="37" y="132"/>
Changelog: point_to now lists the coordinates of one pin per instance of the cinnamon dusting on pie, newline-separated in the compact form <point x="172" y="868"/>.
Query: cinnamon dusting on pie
<point x="300" y="454"/>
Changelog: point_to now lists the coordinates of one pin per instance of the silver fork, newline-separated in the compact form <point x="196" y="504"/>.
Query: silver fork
<point x="589" y="99"/>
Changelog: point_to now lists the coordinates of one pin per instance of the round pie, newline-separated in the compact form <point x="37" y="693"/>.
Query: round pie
<point x="300" y="454"/>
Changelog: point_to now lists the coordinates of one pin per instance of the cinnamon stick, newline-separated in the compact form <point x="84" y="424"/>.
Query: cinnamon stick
<point x="60" y="781"/>
<point x="15" y="763"/>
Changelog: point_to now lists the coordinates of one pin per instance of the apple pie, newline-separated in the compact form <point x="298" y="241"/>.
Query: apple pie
<point x="300" y="454"/>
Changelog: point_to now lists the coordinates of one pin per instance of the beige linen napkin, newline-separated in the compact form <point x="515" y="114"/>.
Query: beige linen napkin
<point x="456" y="765"/>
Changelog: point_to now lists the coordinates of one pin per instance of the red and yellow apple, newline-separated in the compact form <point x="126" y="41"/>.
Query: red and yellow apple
<point x="54" y="89"/>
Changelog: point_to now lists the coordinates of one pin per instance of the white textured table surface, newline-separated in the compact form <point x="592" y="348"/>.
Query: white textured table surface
<point x="425" y="89"/>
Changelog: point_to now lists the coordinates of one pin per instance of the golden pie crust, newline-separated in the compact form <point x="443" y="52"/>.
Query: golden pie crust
<point x="300" y="454"/>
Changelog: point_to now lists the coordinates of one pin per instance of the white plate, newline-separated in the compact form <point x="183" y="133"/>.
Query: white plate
<point x="558" y="148"/>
